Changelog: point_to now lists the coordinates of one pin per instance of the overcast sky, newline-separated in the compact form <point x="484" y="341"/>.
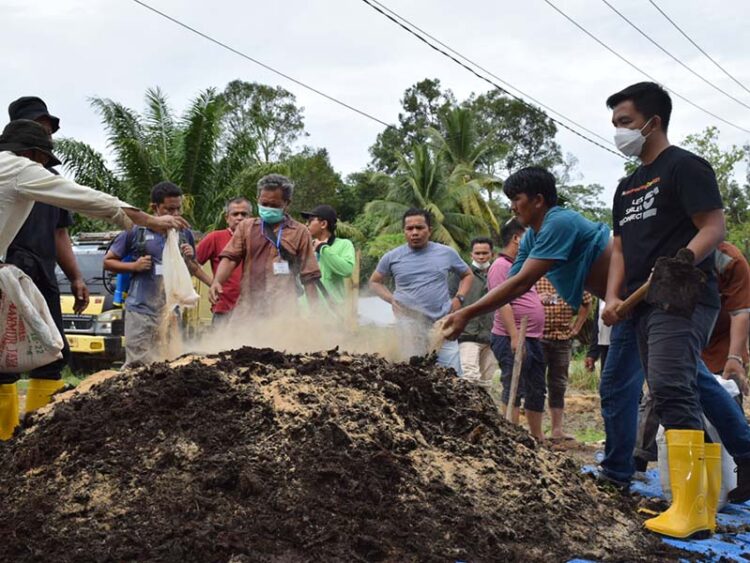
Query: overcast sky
<point x="69" y="50"/>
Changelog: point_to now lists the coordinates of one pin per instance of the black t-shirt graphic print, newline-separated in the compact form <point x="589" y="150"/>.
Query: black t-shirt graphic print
<point x="652" y="212"/>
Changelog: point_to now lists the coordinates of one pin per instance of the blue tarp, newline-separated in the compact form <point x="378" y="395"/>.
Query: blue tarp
<point x="733" y="545"/>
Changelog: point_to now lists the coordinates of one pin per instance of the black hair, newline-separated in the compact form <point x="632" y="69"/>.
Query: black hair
<point x="163" y="190"/>
<point x="531" y="181"/>
<point x="512" y="227"/>
<point x="481" y="240"/>
<point x="649" y="100"/>
<point x="415" y="212"/>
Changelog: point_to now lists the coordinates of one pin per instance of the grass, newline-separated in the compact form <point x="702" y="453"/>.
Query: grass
<point x="579" y="378"/>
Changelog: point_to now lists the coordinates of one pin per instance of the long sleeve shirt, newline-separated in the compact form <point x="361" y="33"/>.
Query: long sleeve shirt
<point x="23" y="181"/>
<point x="336" y="261"/>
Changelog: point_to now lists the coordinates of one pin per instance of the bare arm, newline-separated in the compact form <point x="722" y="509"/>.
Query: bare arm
<point x="377" y="285"/>
<point x="615" y="283"/>
<point x="464" y="286"/>
<point x="738" y="340"/>
<point x="68" y="263"/>
<point x="533" y="269"/>
<point x="583" y="314"/>
<point x="515" y="286"/>
<point x="509" y="322"/>
<point x="711" y="231"/>
<point x="113" y="263"/>
<point x="223" y="272"/>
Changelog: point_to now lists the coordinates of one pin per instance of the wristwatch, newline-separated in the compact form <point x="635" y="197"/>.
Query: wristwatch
<point x="460" y="298"/>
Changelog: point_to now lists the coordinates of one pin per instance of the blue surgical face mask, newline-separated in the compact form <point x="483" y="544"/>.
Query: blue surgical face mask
<point x="271" y="215"/>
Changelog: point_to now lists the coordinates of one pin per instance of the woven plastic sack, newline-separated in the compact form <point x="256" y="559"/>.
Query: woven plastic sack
<point x="28" y="335"/>
<point x="178" y="285"/>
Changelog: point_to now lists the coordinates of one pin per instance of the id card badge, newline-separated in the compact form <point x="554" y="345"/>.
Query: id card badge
<point x="281" y="268"/>
<point x="158" y="270"/>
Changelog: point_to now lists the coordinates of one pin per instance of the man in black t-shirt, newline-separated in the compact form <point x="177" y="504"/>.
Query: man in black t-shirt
<point x="670" y="203"/>
<point x="41" y="244"/>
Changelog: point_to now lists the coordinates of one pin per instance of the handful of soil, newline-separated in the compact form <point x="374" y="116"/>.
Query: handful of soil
<point x="253" y="455"/>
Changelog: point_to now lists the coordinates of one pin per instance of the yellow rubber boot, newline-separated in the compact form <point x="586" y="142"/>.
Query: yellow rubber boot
<point x="687" y="473"/>
<point x="8" y="410"/>
<point x="713" y="482"/>
<point x="39" y="393"/>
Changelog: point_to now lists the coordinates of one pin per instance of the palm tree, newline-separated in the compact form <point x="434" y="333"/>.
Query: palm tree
<point x="462" y="152"/>
<point x="422" y="183"/>
<point x="157" y="146"/>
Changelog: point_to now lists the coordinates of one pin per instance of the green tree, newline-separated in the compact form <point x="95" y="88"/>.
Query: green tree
<point x="155" y="146"/>
<point x="359" y="189"/>
<point x="316" y="182"/>
<point x="422" y="105"/>
<point x="724" y="162"/>
<point x="421" y="182"/>
<point x="516" y="135"/>
<point x="266" y="119"/>
<point x="461" y="149"/>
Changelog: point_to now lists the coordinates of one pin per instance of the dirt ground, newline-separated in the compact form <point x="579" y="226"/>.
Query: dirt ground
<point x="255" y="455"/>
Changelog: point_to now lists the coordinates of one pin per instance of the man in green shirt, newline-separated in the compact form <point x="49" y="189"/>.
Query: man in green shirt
<point x="335" y="255"/>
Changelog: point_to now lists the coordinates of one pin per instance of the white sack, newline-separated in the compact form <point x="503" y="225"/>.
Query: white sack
<point x="28" y="336"/>
<point x="178" y="285"/>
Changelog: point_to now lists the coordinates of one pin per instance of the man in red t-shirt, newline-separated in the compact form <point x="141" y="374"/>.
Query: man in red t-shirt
<point x="235" y="211"/>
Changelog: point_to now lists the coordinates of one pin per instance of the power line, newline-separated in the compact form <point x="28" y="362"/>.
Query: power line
<point x="259" y="63"/>
<point x="483" y="69"/>
<point x="484" y="78"/>
<point x="686" y="36"/>
<point x="675" y="59"/>
<point x="634" y="66"/>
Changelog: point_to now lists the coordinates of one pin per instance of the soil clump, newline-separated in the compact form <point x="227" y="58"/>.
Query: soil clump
<point x="255" y="455"/>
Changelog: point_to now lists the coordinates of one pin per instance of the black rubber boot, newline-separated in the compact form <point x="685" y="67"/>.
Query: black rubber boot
<point x="742" y="492"/>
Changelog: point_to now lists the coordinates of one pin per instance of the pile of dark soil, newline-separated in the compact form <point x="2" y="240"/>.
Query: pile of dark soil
<point x="254" y="455"/>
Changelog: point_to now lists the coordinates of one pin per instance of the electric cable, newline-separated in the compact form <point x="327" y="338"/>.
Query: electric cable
<point x="675" y="59"/>
<point x="485" y="79"/>
<point x="686" y="36"/>
<point x="259" y="63"/>
<point x="634" y="66"/>
<point x="483" y="69"/>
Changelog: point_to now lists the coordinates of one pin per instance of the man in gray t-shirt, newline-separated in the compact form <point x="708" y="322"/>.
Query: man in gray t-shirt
<point x="420" y="271"/>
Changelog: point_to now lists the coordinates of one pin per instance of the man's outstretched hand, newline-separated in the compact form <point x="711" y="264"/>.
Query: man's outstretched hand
<point x="454" y="324"/>
<point x="165" y="222"/>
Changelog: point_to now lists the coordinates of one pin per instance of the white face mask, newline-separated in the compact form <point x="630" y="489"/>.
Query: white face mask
<point x="630" y="141"/>
<point x="485" y="266"/>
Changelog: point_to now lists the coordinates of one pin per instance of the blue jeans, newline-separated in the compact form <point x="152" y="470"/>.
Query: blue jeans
<point x="620" y="390"/>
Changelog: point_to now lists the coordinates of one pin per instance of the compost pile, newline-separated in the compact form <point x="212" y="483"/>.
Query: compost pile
<point x="254" y="455"/>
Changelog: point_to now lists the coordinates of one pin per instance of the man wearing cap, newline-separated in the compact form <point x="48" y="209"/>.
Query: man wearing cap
<point x="335" y="255"/>
<point x="25" y="151"/>
<point x="43" y="242"/>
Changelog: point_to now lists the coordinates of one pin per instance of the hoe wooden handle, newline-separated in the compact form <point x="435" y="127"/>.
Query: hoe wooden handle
<point x="636" y="297"/>
<point x="517" y="363"/>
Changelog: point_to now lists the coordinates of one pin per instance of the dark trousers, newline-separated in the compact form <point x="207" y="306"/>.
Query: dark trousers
<point x="53" y="370"/>
<point x="670" y="346"/>
<point x="557" y="361"/>
<point x="531" y="382"/>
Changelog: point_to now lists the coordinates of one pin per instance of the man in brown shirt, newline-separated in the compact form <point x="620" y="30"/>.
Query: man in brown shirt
<point x="277" y="252"/>
<point x="727" y="351"/>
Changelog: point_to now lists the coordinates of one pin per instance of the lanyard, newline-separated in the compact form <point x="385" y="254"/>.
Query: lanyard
<point x="277" y="244"/>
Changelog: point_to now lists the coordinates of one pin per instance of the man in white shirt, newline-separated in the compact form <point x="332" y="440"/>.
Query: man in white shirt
<point x="25" y="150"/>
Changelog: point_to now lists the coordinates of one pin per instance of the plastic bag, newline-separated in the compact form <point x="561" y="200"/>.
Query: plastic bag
<point x="29" y="337"/>
<point x="728" y="466"/>
<point x="178" y="284"/>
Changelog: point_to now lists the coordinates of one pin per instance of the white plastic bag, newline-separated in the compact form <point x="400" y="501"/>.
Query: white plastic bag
<point x="28" y="336"/>
<point x="178" y="285"/>
<point x="728" y="475"/>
